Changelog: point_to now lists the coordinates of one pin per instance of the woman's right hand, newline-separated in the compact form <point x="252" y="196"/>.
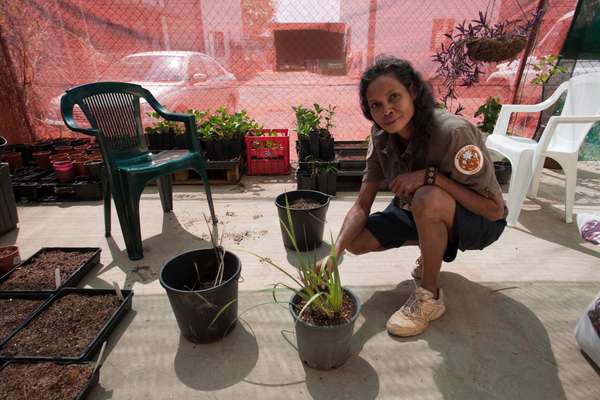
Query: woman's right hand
<point x="326" y="262"/>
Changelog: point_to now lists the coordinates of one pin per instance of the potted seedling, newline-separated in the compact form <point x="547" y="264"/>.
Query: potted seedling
<point x="327" y="178"/>
<point x="314" y="137"/>
<point x="223" y="133"/>
<point x="307" y="121"/>
<point x="326" y="152"/>
<point x="202" y="287"/>
<point x="490" y="111"/>
<point x="324" y="312"/>
<point x="163" y="133"/>
<point x="306" y="175"/>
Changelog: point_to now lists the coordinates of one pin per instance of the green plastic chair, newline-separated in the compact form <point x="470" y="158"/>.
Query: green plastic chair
<point x="113" y="112"/>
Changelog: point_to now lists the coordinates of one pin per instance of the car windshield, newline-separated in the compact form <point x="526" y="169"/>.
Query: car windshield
<point x="150" y="68"/>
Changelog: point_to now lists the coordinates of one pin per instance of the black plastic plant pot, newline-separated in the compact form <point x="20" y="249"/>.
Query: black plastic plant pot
<point x="313" y="137"/>
<point x="83" y="393"/>
<point x="303" y="148"/>
<point x="326" y="152"/>
<point x="324" y="347"/>
<point x="203" y="315"/>
<point x="180" y="142"/>
<point x="308" y="224"/>
<point x="9" y="351"/>
<point x="71" y="281"/>
<point x="503" y="171"/>
<point x="327" y="183"/>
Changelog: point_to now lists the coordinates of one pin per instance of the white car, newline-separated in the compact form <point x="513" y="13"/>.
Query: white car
<point x="178" y="79"/>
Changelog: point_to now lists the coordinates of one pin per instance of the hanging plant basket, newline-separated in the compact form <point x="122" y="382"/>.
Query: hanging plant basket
<point x="496" y="49"/>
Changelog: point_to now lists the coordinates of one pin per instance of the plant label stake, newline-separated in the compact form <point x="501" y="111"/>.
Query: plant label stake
<point x="99" y="360"/>
<point x="57" y="277"/>
<point x="118" y="290"/>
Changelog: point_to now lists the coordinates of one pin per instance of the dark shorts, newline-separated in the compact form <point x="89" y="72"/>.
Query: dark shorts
<point x="394" y="226"/>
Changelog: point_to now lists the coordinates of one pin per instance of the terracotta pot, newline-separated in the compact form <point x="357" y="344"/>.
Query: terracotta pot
<point x="59" y="157"/>
<point x="9" y="257"/>
<point x="42" y="158"/>
<point x="65" y="172"/>
<point x="79" y="164"/>
<point x="14" y="160"/>
<point x="77" y="154"/>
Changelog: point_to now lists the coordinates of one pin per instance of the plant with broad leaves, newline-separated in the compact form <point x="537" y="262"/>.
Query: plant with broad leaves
<point x="308" y="120"/>
<point x="489" y="110"/>
<point x="545" y="69"/>
<point x="161" y="125"/>
<point x="221" y="125"/>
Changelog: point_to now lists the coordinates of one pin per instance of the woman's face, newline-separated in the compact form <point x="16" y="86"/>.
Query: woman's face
<point x="391" y="105"/>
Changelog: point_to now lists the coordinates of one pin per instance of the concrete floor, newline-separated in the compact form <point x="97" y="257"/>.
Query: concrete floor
<point x="508" y="331"/>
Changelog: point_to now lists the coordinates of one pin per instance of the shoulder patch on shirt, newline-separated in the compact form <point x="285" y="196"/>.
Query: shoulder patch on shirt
<point x="468" y="159"/>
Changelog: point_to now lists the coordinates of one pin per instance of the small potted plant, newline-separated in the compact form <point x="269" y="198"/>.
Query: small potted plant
<point x="306" y="175"/>
<point x="314" y="139"/>
<point x="327" y="178"/>
<point x="490" y="110"/>
<point x="324" y="311"/>
<point x="223" y="133"/>
<point x="162" y="134"/>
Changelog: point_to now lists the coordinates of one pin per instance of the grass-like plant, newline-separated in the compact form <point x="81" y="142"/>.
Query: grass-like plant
<point x="320" y="289"/>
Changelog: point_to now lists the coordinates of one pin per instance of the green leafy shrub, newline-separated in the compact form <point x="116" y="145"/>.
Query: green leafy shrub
<point x="308" y="120"/>
<point x="489" y="110"/>
<point x="161" y="125"/>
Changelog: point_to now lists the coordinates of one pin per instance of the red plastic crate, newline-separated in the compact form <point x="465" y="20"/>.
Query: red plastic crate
<point x="268" y="155"/>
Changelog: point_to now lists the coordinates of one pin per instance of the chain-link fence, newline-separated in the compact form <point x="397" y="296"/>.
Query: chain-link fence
<point x="264" y="56"/>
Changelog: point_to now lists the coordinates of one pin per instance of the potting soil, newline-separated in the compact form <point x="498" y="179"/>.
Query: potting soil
<point x="38" y="273"/>
<point x="304" y="204"/>
<point x="43" y="381"/>
<point x="316" y="317"/>
<point x="65" y="328"/>
<point x="13" y="312"/>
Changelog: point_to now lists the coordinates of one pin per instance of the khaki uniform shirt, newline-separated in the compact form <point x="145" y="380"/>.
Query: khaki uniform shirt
<point x="456" y="149"/>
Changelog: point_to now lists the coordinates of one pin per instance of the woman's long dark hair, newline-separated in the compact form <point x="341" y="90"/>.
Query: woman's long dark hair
<point x="423" y="122"/>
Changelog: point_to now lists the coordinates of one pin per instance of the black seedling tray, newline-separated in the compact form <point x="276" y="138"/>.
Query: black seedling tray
<point x="92" y="381"/>
<point x="44" y="297"/>
<point x="71" y="281"/>
<point x="101" y="336"/>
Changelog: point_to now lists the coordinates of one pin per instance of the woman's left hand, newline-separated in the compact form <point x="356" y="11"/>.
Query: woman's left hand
<point x="405" y="185"/>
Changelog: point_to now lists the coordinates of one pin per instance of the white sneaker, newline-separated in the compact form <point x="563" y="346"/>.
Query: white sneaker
<point x="414" y="316"/>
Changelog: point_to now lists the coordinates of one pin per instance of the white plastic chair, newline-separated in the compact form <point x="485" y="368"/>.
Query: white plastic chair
<point x="560" y="141"/>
